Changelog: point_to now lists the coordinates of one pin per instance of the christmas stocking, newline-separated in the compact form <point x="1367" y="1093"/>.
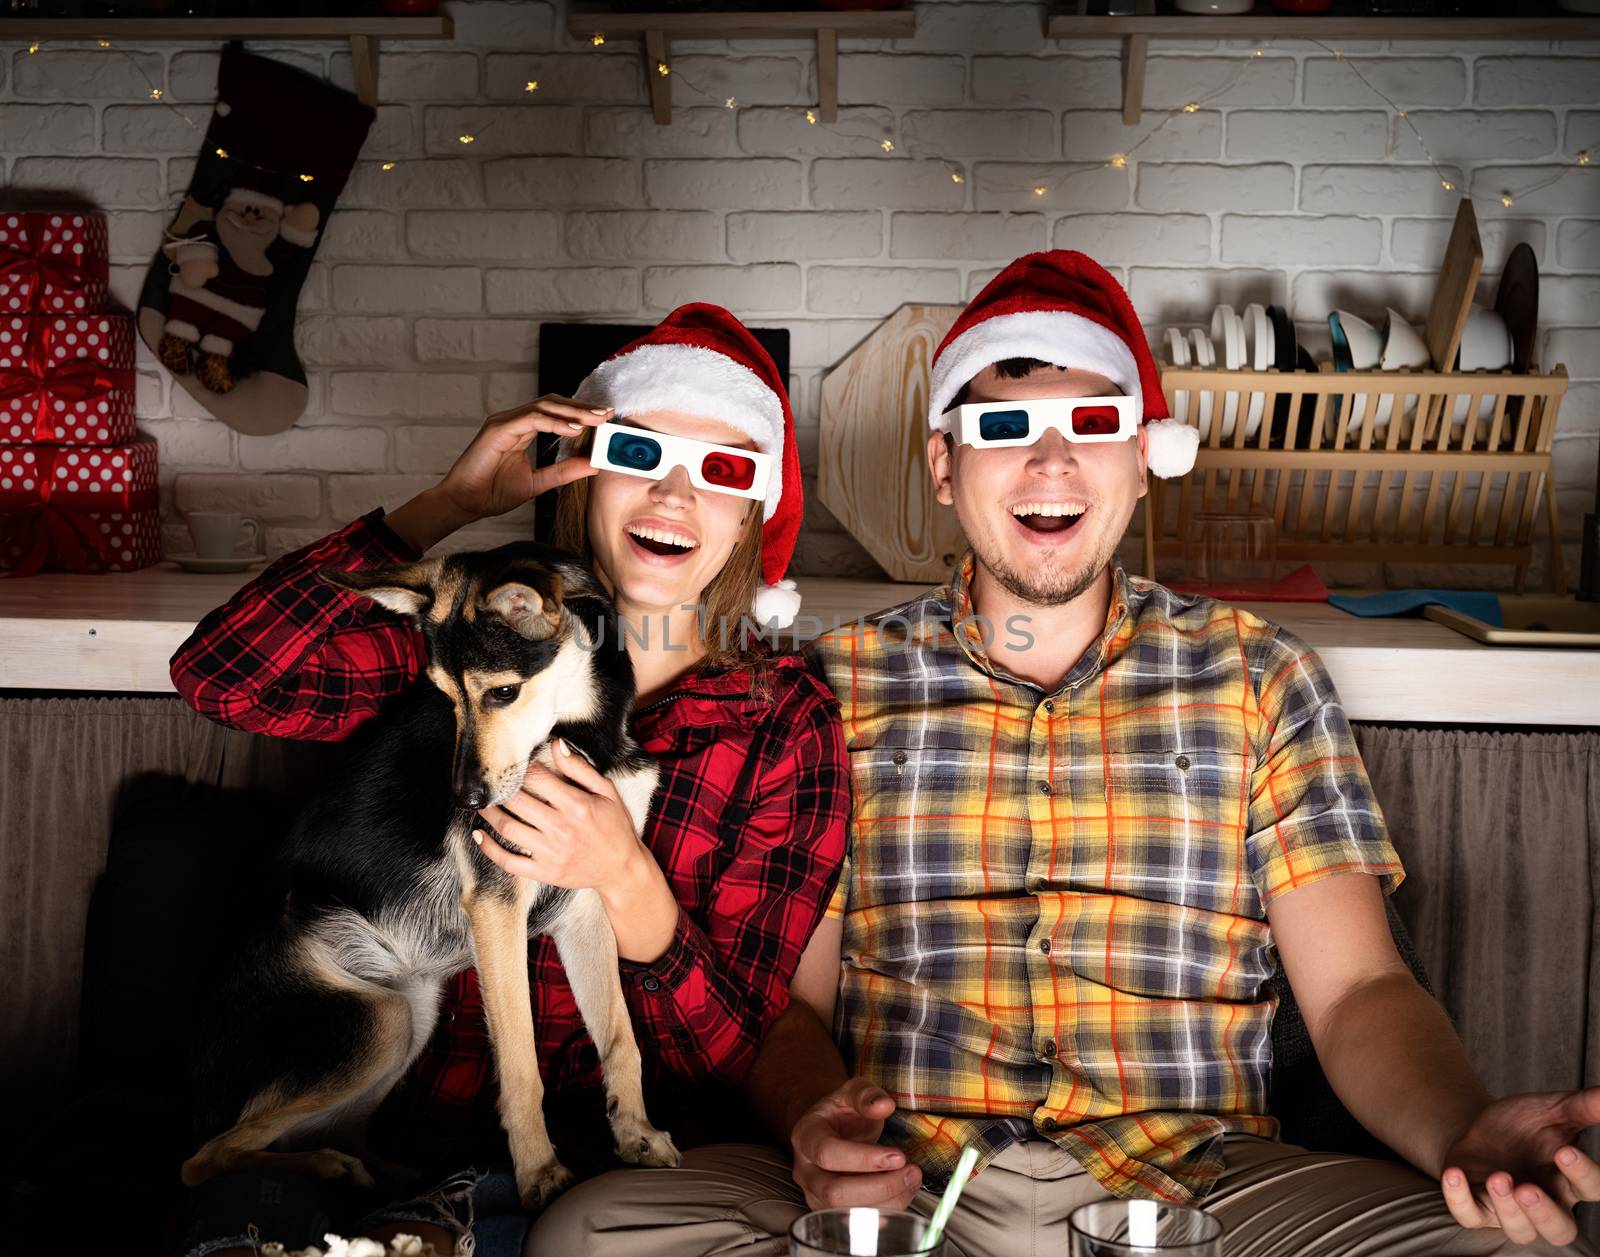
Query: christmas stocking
<point x="218" y="305"/>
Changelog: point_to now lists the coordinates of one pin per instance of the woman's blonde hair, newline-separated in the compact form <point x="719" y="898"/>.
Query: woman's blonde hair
<point x="725" y="603"/>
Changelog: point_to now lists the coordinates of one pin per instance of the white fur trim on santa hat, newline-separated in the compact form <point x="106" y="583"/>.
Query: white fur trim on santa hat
<point x="694" y="381"/>
<point x="1171" y="446"/>
<point x="1054" y="336"/>
<point x="776" y="605"/>
<point x="242" y="196"/>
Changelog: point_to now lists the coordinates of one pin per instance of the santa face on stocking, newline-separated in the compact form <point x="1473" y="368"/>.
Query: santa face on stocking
<point x="218" y="303"/>
<point x="223" y="280"/>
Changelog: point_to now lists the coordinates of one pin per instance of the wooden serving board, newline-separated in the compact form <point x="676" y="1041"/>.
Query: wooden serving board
<point x="873" y="461"/>
<point x="1453" y="290"/>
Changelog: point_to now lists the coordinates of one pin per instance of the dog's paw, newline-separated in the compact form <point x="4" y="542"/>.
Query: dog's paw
<point x="330" y="1164"/>
<point x="639" y="1143"/>
<point x="539" y="1188"/>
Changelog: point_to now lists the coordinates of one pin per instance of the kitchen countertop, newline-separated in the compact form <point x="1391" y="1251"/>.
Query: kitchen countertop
<point x="115" y="633"/>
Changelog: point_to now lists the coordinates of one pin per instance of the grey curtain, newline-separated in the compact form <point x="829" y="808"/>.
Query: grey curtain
<point x="62" y="762"/>
<point x="1500" y="833"/>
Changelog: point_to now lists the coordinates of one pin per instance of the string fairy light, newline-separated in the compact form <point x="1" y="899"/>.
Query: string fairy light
<point x="891" y="145"/>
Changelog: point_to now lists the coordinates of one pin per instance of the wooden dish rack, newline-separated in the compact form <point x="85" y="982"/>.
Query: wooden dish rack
<point x="1413" y="467"/>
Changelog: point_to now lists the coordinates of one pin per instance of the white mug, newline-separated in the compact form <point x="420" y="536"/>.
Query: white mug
<point x="217" y="533"/>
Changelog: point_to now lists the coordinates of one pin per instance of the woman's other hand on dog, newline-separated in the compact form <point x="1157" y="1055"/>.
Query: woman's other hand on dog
<point x="577" y="832"/>
<point x="494" y="474"/>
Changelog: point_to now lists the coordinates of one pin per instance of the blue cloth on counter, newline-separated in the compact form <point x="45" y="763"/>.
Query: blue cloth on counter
<point x="1480" y="606"/>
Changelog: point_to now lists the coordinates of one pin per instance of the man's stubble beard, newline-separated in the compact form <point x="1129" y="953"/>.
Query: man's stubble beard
<point x="1041" y="589"/>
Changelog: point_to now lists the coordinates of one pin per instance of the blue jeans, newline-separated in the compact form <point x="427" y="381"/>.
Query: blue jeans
<point x="248" y="1210"/>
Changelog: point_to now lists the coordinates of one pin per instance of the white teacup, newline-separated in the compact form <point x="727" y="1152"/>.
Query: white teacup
<point x="1485" y="346"/>
<point x="1403" y="346"/>
<point x="218" y="534"/>
<point x="1485" y="341"/>
<point x="1366" y="345"/>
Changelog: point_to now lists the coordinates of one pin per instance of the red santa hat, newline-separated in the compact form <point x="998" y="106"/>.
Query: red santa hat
<point x="702" y="361"/>
<point x="1063" y="308"/>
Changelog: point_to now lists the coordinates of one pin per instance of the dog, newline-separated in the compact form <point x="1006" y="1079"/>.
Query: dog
<point x="379" y="894"/>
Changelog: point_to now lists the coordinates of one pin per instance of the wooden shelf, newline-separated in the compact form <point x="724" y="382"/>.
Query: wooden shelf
<point x="658" y="30"/>
<point x="115" y="633"/>
<point x="364" y="33"/>
<point x="1264" y="24"/>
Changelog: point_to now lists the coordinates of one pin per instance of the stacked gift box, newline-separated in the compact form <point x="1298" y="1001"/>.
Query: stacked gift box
<point x="77" y="481"/>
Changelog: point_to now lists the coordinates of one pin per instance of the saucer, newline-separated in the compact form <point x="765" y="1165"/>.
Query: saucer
<point x="238" y="563"/>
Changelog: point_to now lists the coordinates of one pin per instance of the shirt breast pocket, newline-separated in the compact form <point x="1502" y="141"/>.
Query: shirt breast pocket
<point x="890" y="772"/>
<point x="1177" y="822"/>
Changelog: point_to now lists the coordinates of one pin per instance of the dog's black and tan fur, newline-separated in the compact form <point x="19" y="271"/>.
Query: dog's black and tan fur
<point x="385" y="896"/>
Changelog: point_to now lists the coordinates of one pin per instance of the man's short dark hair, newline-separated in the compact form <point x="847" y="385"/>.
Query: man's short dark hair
<point x="1006" y="369"/>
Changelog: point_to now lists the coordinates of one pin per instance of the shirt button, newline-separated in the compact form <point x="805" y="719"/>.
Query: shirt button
<point x="1049" y="1049"/>
<point x="1049" y="704"/>
<point x="1182" y="762"/>
<point x="651" y="983"/>
<point x="1044" y="787"/>
<point x="899" y="757"/>
<point x="1044" y="946"/>
<point x="1048" y="1125"/>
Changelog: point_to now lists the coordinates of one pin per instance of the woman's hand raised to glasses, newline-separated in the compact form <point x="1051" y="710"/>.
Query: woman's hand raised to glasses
<point x="494" y="474"/>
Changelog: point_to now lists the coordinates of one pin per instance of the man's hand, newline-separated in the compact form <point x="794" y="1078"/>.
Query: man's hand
<point x="1518" y="1166"/>
<point x="838" y="1160"/>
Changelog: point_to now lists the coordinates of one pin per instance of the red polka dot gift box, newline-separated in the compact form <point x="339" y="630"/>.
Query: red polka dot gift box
<point x="52" y="263"/>
<point x="67" y="379"/>
<point x="78" y="508"/>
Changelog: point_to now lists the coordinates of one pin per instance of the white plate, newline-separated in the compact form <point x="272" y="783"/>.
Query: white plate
<point x="194" y="563"/>
<point x="1178" y="356"/>
<point x="1203" y="356"/>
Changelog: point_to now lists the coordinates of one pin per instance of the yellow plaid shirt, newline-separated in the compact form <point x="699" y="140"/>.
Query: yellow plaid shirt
<point x="1053" y="907"/>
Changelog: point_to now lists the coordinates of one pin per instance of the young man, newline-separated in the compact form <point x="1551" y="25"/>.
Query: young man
<point x="1086" y="812"/>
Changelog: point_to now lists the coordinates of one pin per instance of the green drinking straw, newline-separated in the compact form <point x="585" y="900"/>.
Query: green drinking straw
<point x="947" y="1202"/>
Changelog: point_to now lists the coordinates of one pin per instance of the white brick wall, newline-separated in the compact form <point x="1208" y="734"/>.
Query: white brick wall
<point x="422" y="313"/>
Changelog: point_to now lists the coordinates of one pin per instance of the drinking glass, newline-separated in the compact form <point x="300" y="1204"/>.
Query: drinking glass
<point x="1143" y="1228"/>
<point x="861" y="1233"/>
<point x="1224" y="546"/>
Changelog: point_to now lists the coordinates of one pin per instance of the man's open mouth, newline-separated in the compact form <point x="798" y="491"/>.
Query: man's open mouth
<point x="661" y="541"/>
<point x="1049" y="517"/>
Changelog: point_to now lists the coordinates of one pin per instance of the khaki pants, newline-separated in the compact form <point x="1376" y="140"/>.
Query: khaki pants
<point x="1275" y="1200"/>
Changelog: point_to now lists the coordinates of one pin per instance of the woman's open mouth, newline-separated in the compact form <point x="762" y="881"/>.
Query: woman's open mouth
<point x="1049" y="519"/>
<point x="661" y="543"/>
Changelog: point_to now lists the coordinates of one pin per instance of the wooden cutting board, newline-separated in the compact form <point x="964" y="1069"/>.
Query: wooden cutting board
<point x="873" y="460"/>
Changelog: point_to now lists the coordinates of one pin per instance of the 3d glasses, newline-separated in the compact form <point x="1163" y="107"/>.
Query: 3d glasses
<point x="997" y="425"/>
<point x="653" y="455"/>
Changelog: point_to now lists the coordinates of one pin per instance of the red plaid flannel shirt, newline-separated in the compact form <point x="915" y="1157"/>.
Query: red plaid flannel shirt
<point x="749" y="825"/>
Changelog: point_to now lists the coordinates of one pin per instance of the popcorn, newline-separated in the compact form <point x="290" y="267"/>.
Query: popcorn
<point x="361" y="1246"/>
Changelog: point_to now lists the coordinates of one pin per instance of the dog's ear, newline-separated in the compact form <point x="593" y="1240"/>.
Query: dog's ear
<point x="406" y="590"/>
<point x="535" y="613"/>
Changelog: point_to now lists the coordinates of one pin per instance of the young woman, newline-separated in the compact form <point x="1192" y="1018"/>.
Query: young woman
<point x="714" y="902"/>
